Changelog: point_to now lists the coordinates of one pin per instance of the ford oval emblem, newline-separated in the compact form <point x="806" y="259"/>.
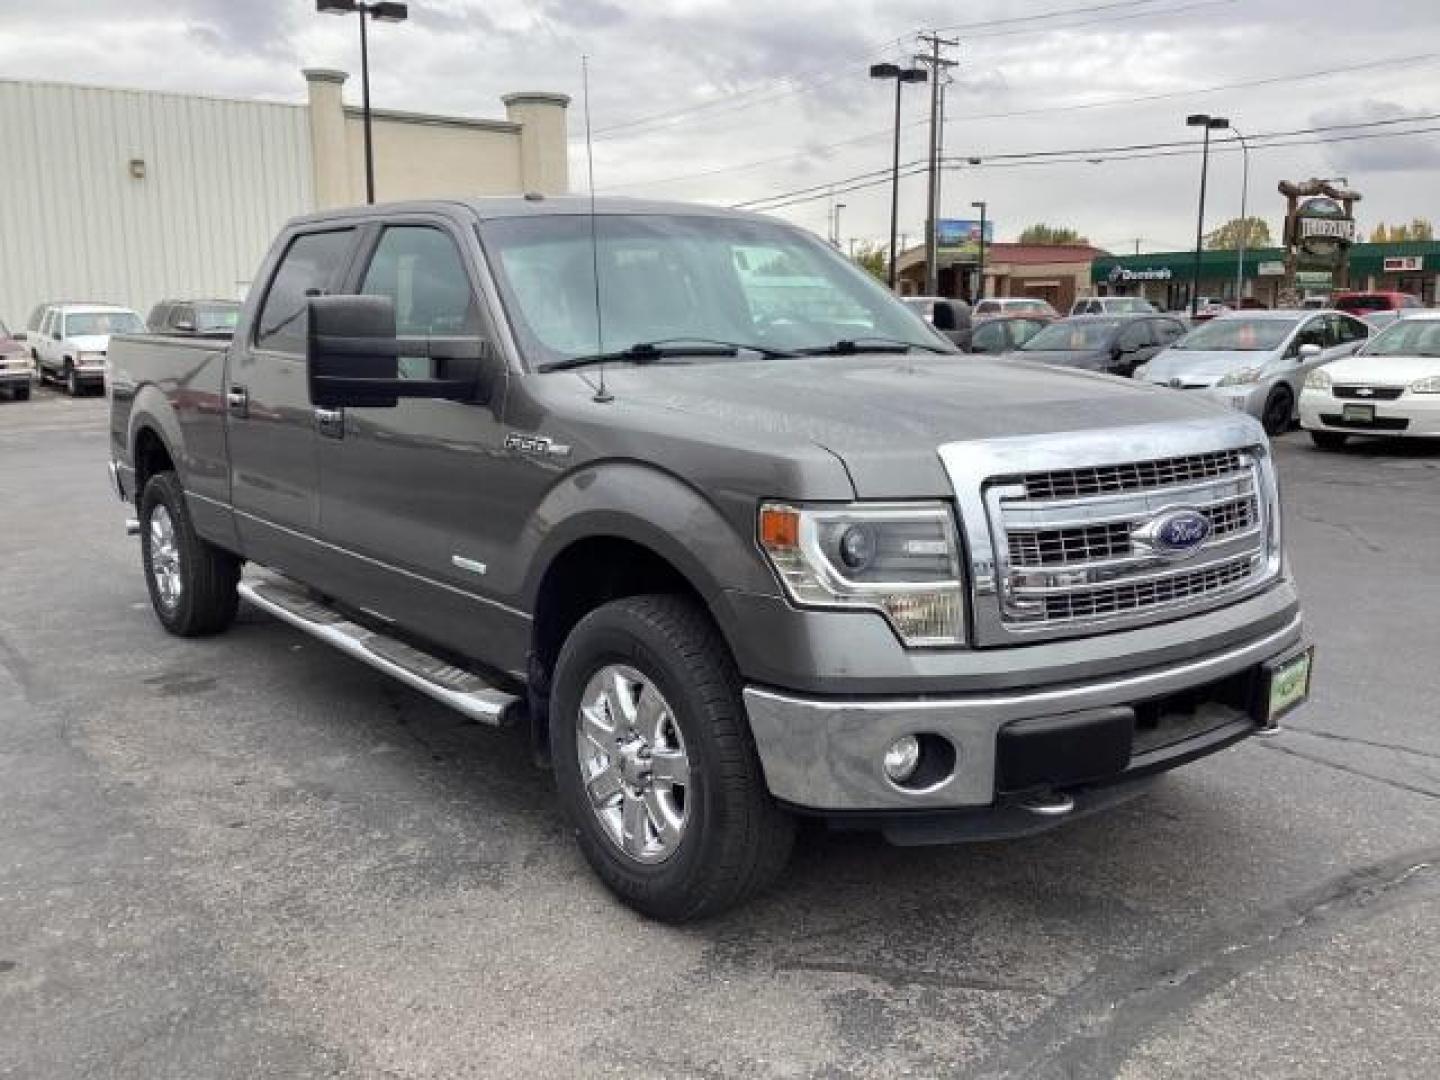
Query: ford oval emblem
<point x="1181" y="532"/>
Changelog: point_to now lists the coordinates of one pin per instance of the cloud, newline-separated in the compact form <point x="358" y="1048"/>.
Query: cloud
<point x="1390" y="151"/>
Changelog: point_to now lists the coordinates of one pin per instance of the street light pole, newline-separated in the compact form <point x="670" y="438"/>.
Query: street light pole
<point x="380" y="11"/>
<point x="1209" y="123"/>
<point x="1244" y="221"/>
<point x="901" y="76"/>
<point x="982" y="206"/>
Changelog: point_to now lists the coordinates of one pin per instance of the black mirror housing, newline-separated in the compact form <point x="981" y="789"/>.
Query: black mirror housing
<point x="354" y="355"/>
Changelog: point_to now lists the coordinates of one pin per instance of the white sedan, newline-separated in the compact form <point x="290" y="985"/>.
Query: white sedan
<point x="1390" y="387"/>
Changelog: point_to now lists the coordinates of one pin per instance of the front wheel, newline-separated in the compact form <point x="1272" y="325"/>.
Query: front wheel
<point x="1279" y="411"/>
<point x="192" y="583"/>
<point x="1329" y="440"/>
<point x="655" y="763"/>
<point x="72" y="382"/>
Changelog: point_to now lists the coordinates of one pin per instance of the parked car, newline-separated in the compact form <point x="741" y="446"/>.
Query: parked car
<point x="1014" y="305"/>
<point x="1209" y="309"/>
<point x="1109" y="343"/>
<point x="71" y="340"/>
<point x="15" y="366"/>
<point x="1359" y="303"/>
<point x="947" y="316"/>
<point x="733" y="564"/>
<point x="1256" y="361"/>
<point x="1001" y="334"/>
<point x="1390" y="386"/>
<point x="1113" y="305"/>
<point x="193" y="317"/>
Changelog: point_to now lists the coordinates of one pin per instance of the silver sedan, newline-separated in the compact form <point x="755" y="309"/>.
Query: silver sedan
<point x="1256" y="361"/>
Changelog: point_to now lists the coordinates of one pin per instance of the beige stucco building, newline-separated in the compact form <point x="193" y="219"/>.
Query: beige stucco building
<point x="419" y="155"/>
<point x="131" y="196"/>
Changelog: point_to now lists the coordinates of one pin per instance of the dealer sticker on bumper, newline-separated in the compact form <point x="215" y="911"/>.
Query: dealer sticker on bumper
<point x="1289" y="685"/>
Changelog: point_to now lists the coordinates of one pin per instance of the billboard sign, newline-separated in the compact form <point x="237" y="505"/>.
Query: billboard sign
<point x="961" y="236"/>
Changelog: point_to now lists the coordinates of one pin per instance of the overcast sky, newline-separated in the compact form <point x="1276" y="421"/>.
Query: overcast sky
<point x="686" y="87"/>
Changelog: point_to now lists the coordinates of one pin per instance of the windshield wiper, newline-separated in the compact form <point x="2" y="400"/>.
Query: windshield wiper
<point x="645" y="352"/>
<point x="854" y="346"/>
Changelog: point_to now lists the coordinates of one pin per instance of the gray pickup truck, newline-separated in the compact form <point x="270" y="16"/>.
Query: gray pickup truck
<point x="734" y="534"/>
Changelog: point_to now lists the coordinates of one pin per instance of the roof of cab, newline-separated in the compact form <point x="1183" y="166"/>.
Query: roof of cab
<point x="511" y="206"/>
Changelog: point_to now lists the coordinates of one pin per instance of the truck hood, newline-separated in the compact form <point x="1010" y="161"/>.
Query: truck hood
<point x="885" y="416"/>
<point x="89" y="343"/>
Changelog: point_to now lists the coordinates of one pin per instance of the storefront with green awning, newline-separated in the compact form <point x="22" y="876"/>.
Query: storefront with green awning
<point x="1164" y="278"/>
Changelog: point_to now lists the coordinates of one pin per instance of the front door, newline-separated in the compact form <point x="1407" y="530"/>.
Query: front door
<point x="405" y="493"/>
<point x="270" y="424"/>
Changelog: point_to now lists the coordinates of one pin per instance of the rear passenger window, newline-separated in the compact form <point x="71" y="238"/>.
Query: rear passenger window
<point x="308" y="268"/>
<point x="1167" y="331"/>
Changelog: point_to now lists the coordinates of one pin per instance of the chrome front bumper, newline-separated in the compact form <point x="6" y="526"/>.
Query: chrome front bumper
<point x="826" y="754"/>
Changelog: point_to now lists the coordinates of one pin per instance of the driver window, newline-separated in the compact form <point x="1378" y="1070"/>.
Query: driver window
<point x="988" y="338"/>
<point x="1313" y="333"/>
<point x="419" y="268"/>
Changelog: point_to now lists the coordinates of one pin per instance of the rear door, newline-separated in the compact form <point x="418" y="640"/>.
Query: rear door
<point x="274" y="471"/>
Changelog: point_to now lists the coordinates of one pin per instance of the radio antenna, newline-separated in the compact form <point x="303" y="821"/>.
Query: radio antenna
<point x="602" y="395"/>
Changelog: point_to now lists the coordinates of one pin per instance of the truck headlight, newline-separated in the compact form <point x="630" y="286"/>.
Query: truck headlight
<point x="1428" y="385"/>
<point x="900" y="559"/>
<point x="1243" y="377"/>
<point x="1319" y="379"/>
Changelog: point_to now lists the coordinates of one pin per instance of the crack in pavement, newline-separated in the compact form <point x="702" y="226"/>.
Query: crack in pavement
<point x="1379" y="778"/>
<point x="1337" y="737"/>
<point x="1091" y="1031"/>
<point x="1344" y="527"/>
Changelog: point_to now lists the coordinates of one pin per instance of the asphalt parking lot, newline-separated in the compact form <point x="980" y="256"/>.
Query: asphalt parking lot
<point x="252" y="857"/>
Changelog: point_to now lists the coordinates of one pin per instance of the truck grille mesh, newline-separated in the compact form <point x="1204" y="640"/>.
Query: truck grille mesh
<point x="1134" y="596"/>
<point x="1137" y="476"/>
<point x="1112" y="540"/>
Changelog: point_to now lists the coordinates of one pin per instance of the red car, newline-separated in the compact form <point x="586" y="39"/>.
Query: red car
<point x="1362" y="303"/>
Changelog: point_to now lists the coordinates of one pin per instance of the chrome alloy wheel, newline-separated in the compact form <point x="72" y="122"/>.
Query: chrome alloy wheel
<point x="164" y="557"/>
<point x="633" y="763"/>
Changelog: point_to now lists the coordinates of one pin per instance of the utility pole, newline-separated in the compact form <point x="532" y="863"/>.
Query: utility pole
<point x="937" y="65"/>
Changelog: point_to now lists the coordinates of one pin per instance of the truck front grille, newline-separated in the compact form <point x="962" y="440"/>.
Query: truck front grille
<point x="1139" y="476"/>
<point x="1077" y="549"/>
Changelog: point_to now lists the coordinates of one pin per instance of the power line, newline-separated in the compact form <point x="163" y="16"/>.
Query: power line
<point x="1097" y="155"/>
<point x="1389" y="63"/>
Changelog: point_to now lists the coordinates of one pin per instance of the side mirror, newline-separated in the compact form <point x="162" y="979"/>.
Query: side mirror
<point x="354" y="356"/>
<point x="1309" y="351"/>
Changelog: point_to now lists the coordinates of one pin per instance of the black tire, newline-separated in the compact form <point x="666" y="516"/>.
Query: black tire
<point x="22" y="392"/>
<point x="736" y="840"/>
<point x="207" y="598"/>
<point x="1329" y="440"/>
<point x="1279" y="411"/>
<point x="72" y="382"/>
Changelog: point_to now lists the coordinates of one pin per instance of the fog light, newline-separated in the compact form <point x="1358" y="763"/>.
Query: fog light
<point x="902" y="758"/>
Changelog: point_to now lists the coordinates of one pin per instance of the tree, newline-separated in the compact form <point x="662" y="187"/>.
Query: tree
<point x="1227" y="237"/>
<point x="1418" y="229"/>
<point x="871" y="257"/>
<point x="1050" y="235"/>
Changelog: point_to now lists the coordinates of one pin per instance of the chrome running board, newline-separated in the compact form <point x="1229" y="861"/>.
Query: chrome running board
<point x="462" y="690"/>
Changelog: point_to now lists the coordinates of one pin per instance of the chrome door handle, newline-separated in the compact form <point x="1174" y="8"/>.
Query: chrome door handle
<point x="237" y="400"/>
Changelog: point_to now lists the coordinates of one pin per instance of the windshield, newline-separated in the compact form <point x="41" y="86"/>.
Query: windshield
<point x="101" y="323"/>
<point x="1237" y="335"/>
<point x="1408" y="337"/>
<point x="216" y="317"/>
<point x="1086" y="336"/>
<point x="1134" y="304"/>
<point x="670" y="277"/>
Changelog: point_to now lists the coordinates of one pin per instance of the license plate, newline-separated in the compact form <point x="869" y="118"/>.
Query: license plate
<point x="1359" y="414"/>
<point x="1289" y="685"/>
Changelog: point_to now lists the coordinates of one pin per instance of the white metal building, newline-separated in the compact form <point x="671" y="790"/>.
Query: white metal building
<point x="130" y="196"/>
